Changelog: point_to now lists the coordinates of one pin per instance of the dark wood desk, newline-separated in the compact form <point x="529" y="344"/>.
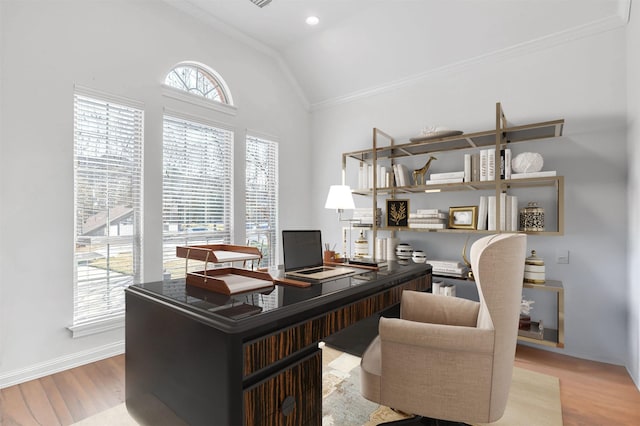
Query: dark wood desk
<point x="252" y="359"/>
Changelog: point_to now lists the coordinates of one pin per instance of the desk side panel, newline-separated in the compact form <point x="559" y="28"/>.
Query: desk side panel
<point x="179" y="370"/>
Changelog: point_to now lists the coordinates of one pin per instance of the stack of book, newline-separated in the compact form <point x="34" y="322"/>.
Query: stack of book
<point x="383" y="178"/>
<point x="449" y="268"/>
<point x="439" y="287"/>
<point x="363" y="217"/>
<point x="428" y="219"/>
<point x="508" y="213"/>
<point x="448" y="177"/>
<point x="401" y="175"/>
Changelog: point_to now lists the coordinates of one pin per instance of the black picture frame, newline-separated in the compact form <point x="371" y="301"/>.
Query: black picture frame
<point x="397" y="213"/>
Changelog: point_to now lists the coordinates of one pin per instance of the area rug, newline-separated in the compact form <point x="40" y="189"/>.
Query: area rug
<point x="534" y="399"/>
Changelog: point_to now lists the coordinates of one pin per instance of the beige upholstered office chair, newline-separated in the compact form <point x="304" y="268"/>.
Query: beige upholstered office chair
<point x="449" y="358"/>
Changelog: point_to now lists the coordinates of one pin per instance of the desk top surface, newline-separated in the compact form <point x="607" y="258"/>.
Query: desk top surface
<point x="240" y="311"/>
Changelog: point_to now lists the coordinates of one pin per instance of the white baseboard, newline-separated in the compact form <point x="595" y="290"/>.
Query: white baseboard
<point x="60" y="364"/>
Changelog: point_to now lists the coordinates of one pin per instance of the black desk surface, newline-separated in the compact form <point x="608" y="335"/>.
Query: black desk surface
<point x="242" y="312"/>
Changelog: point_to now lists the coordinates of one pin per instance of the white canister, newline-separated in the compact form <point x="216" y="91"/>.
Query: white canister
<point x="391" y="248"/>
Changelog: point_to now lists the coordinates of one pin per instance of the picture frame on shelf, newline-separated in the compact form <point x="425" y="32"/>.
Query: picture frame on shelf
<point x="397" y="213"/>
<point x="464" y="217"/>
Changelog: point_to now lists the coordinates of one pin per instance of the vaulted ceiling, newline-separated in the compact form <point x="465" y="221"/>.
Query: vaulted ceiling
<point x="360" y="46"/>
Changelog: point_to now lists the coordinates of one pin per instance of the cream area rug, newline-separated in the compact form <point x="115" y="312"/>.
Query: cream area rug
<point x="534" y="399"/>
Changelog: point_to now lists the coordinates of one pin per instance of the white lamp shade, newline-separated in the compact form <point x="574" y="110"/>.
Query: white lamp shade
<point x="340" y="198"/>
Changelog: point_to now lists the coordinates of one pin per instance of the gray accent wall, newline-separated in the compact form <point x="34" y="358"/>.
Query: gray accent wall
<point x="583" y="81"/>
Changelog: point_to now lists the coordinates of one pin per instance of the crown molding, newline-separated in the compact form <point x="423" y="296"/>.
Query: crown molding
<point x="618" y="20"/>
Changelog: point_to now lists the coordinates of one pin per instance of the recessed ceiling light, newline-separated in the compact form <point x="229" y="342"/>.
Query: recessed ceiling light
<point x="312" y="20"/>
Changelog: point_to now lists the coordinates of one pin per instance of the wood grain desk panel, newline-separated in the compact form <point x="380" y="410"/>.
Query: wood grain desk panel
<point x="262" y="352"/>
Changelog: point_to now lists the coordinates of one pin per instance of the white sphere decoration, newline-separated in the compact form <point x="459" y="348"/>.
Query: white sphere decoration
<point x="419" y="256"/>
<point x="527" y="162"/>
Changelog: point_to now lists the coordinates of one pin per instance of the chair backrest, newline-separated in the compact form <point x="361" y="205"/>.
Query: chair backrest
<point x="497" y="262"/>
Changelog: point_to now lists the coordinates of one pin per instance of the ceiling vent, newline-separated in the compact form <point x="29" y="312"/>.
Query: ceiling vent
<point x="261" y="3"/>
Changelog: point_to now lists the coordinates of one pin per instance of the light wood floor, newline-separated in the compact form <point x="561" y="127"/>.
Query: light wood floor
<point x="592" y="393"/>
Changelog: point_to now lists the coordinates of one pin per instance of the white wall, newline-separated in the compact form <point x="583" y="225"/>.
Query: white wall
<point x="123" y="48"/>
<point x="633" y="143"/>
<point x="583" y="81"/>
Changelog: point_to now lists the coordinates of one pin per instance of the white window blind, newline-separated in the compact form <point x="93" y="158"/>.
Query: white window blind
<point x="108" y="143"/>
<point x="197" y="189"/>
<point x="262" y="197"/>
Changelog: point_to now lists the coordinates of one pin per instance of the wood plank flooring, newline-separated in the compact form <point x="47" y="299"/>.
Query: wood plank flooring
<point x="592" y="393"/>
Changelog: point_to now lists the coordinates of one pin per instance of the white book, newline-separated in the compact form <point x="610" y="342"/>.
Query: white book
<point x="396" y="174"/>
<point x="427" y="220"/>
<point x="460" y="270"/>
<point x="514" y="213"/>
<point x="428" y="216"/>
<point x="507" y="214"/>
<point x="484" y="164"/>
<point x="446" y="175"/>
<point x="428" y="211"/>
<point x="548" y="173"/>
<point x="443" y="181"/>
<point x="427" y="225"/>
<point x="475" y="167"/>
<point x="491" y="164"/>
<point x="446" y="263"/>
<point x="482" y="213"/>
<point x="370" y="182"/>
<point x="491" y="213"/>
<point x="404" y="175"/>
<point x="503" y="211"/>
<point x="507" y="163"/>
<point x="382" y="177"/>
<point x="467" y="167"/>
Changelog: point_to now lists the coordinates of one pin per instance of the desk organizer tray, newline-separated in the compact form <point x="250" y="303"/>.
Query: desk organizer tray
<point x="218" y="253"/>
<point x="230" y="280"/>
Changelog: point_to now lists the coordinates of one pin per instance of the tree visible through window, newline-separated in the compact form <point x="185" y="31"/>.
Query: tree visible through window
<point x="196" y="188"/>
<point x="261" y="188"/>
<point x="198" y="80"/>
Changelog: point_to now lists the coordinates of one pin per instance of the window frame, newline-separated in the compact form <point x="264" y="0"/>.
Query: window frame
<point x="199" y="100"/>
<point x="115" y="319"/>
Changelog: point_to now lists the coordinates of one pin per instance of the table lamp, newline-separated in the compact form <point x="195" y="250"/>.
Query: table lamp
<point x="340" y="199"/>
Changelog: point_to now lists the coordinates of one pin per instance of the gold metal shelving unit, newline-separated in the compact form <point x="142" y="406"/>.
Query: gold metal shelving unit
<point x="501" y="136"/>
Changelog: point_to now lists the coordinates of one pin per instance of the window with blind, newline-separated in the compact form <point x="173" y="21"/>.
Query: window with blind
<point x="261" y="188"/>
<point x="197" y="189"/>
<point x="108" y="143"/>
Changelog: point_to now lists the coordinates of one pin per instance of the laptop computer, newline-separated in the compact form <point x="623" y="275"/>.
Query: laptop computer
<point x="302" y="251"/>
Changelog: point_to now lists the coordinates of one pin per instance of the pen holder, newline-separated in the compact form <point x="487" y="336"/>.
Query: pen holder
<point x="329" y="255"/>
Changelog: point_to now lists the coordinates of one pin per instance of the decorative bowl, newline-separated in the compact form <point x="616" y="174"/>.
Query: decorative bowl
<point x="419" y="256"/>
<point x="404" y="251"/>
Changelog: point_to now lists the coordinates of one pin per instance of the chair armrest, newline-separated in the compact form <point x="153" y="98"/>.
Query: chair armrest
<point x="437" y="336"/>
<point x="437" y="309"/>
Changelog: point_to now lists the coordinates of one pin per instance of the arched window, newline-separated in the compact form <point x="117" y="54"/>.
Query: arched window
<point x="199" y="80"/>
